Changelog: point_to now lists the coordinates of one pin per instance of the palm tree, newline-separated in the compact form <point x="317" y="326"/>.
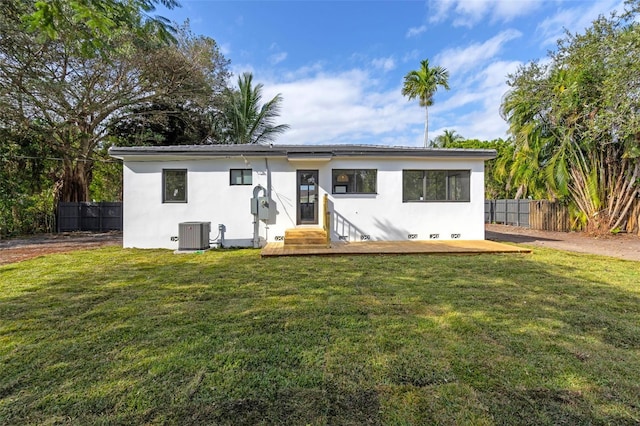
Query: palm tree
<point x="423" y="84"/>
<point x="448" y="139"/>
<point x="247" y="121"/>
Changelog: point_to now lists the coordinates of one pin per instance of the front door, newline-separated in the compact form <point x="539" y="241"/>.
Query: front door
<point x="307" y="197"/>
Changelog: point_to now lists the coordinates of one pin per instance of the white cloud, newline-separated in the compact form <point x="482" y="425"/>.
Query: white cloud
<point x="508" y="10"/>
<point x="345" y="107"/>
<point x="358" y="106"/>
<point x="411" y="56"/>
<point x="276" y="58"/>
<point x="467" y="58"/>
<point x="574" y="19"/>
<point x="354" y="107"/>
<point x="474" y="110"/>
<point x="439" y="9"/>
<point x="415" y="31"/>
<point x="470" y="12"/>
<point x="278" y="55"/>
<point x="495" y="74"/>
<point x="238" y="70"/>
<point x="384" y="64"/>
<point x="225" y="48"/>
<point x="483" y="124"/>
<point x="303" y="72"/>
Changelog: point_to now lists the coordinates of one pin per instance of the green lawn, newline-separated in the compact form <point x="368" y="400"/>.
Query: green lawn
<point x="114" y="336"/>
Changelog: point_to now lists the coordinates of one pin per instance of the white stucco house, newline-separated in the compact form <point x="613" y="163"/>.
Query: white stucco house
<point x="373" y="192"/>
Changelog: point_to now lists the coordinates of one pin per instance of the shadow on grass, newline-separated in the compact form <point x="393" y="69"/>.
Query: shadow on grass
<point x="126" y="336"/>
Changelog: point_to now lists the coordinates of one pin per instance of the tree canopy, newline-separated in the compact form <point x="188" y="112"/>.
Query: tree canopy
<point x="78" y="76"/>
<point x="98" y="20"/>
<point x="61" y="104"/>
<point x="575" y="123"/>
<point x="47" y="86"/>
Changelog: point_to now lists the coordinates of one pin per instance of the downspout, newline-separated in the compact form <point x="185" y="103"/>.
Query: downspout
<point x="266" y="193"/>
<point x="266" y="163"/>
<point x="266" y="223"/>
<point x="256" y="221"/>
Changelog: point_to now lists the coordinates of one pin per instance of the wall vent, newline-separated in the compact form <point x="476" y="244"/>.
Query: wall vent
<point x="434" y="236"/>
<point x="412" y="236"/>
<point x="455" y="236"/>
<point x="278" y="238"/>
<point x="193" y="235"/>
<point x="365" y="237"/>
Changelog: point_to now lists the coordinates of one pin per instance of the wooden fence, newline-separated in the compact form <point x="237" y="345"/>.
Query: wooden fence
<point x="534" y="214"/>
<point x="545" y="215"/>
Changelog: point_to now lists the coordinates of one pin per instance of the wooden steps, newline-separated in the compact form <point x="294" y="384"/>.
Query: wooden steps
<point x="305" y="238"/>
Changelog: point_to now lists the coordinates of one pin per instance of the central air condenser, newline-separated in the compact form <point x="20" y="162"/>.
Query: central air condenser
<point x="193" y="235"/>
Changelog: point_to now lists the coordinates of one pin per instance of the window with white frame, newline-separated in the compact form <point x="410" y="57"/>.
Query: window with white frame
<point x="354" y="181"/>
<point x="240" y="177"/>
<point x="436" y="185"/>
<point x="174" y="185"/>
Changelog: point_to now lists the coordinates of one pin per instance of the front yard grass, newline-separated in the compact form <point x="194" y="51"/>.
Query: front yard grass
<point x="115" y="336"/>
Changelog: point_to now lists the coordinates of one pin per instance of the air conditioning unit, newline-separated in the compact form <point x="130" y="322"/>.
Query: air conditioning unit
<point x="193" y="235"/>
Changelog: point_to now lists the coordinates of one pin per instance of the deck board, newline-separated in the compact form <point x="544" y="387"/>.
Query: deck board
<point x="395" y="247"/>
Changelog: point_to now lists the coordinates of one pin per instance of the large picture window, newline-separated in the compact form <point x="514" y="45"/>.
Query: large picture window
<point x="241" y="176"/>
<point x="354" y="181"/>
<point x="436" y="185"/>
<point x="174" y="186"/>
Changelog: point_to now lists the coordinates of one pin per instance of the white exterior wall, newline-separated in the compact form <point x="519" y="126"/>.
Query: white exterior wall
<point x="149" y="223"/>
<point x="385" y="217"/>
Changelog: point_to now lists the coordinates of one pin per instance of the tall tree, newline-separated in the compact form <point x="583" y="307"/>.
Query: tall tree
<point x="51" y="87"/>
<point x="249" y="121"/>
<point x="179" y="121"/>
<point x="423" y="84"/>
<point x="575" y="123"/>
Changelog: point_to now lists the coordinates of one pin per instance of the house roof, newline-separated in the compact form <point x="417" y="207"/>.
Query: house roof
<point x="292" y="152"/>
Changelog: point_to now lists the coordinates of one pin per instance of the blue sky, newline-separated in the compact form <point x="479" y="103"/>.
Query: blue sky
<point x="339" y="65"/>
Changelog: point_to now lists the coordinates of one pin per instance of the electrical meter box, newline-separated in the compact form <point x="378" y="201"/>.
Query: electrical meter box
<point x="264" y="208"/>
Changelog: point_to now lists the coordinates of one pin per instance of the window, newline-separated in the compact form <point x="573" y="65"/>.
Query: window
<point x="241" y="177"/>
<point x="174" y="186"/>
<point x="354" y="181"/>
<point x="436" y="185"/>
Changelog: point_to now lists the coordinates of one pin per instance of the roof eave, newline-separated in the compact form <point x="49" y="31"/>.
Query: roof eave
<point x="297" y="152"/>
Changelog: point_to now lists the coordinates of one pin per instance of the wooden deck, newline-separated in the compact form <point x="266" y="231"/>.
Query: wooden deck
<point x="395" y="247"/>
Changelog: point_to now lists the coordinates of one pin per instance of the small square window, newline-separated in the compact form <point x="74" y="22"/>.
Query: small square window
<point x="241" y="177"/>
<point x="174" y="186"/>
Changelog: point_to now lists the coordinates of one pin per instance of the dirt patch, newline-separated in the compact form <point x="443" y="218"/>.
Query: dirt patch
<point x="623" y="246"/>
<point x="19" y="249"/>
